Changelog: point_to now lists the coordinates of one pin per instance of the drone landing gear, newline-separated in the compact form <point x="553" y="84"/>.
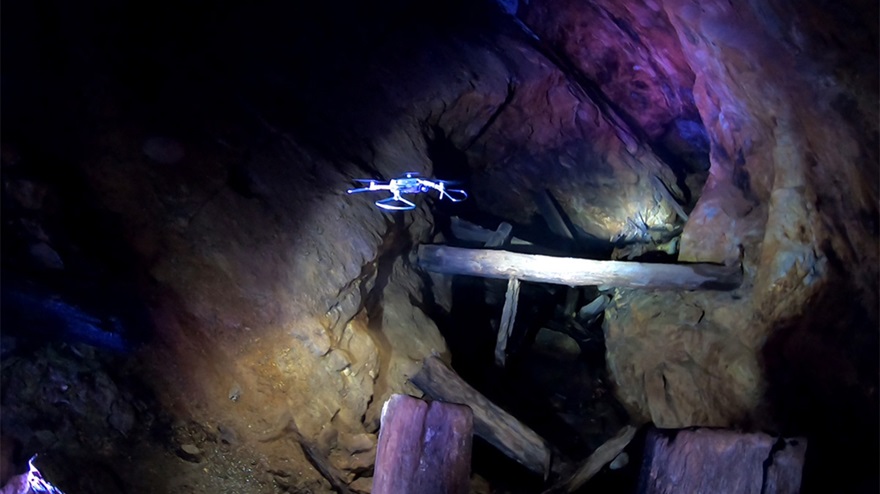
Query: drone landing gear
<point x="396" y="203"/>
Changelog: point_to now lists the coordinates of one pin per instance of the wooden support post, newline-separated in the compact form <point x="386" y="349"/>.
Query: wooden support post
<point x="603" y="455"/>
<point x="508" y="317"/>
<point x="710" y="460"/>
<point x="493" y="424"/>
<point x="424" y="448"/>
<point x="575" y="272"/>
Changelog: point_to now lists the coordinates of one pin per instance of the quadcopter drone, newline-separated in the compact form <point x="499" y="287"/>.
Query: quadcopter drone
<point x="410" y="183"/>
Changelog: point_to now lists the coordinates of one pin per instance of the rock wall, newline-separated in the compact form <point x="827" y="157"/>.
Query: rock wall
<point x="788" y="97"/>
<point x="276" y="298"/>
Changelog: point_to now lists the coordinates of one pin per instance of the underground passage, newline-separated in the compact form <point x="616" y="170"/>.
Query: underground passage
<point x="535" y="246"/>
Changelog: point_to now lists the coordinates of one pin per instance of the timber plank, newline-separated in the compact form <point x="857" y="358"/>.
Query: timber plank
<point x="501" y="264"/>
<point x="721" y="461"/>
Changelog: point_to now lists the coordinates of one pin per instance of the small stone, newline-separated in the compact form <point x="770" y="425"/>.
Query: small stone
<point x="328" y="438"/>
<point x="189" y="452"/>
<point x="122" y="417"/>
<point x="227" y="435"/>
<point x="362" y="461"/>
<point x="234" y="393"/>
<point x="363" y="485"/>
<point x="357" y="443"/>
<point x="557" y="344"/>
<point x="619" y="462"/>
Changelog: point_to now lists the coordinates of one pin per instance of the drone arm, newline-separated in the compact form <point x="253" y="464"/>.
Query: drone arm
<point x="462" y="195"/>
<point x="444" y="192"/>
<point x="372" y="186"/>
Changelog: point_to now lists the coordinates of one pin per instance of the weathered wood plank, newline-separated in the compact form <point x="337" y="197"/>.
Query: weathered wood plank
<point x="508" y="317"/>
<point x="722" y="461"/>
<point x="575" y="272"/>
<point x="603" y="455"/>
<point x="493" y="424"/>
<point x="500" y="236"/>
<point x="469" y="232"/>
<point x="423" y="447"/>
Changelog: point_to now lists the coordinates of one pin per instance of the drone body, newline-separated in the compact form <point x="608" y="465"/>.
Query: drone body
<point x="410" y="183"/>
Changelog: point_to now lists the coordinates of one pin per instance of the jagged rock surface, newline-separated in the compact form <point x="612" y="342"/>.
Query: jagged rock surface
<point x="792" y="189"/>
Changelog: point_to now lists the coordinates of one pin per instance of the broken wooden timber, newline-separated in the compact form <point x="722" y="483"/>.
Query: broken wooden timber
<point x="508" y="317"/>
<point x="576" y="272"/>
<point x="603" y="455"/>
<point x="469" y="232"/>
<point x="497" y="427"/>
<point x="423" y="447"/>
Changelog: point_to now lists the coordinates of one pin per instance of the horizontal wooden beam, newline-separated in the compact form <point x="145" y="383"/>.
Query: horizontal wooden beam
<point x="576" y="272"/>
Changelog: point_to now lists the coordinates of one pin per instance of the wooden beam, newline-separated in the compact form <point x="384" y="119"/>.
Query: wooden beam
<point x="594" y="308"/>
<point x="508" y="317"/>
<point x="497" y="427"/>
<point x="423" y="447"/>
<point x="575" y="272"/>
<point x="469" y="232"/>
<point x="712" y="460"/>
<point x="547" y="206"/>
<point x="500" y="236"/>
<point x="603" y="455"/>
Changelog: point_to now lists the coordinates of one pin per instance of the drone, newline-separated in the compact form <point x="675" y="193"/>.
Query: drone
<point x="410" y="183"/>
